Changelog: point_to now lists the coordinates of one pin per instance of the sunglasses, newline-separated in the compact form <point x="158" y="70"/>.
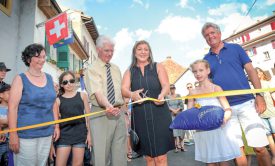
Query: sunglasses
<point x="65" y="82"/>
<point x="189" y="87"/>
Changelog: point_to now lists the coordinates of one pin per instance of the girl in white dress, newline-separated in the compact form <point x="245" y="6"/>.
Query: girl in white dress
<point x="214" y="147"/>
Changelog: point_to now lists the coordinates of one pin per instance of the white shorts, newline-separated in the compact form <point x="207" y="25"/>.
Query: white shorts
<point x="245" y="115"/>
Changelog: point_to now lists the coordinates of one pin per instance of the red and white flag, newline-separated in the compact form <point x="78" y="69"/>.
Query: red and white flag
<point x="57" y="28"/>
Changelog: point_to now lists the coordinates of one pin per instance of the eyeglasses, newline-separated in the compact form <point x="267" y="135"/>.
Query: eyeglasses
<point x="65" y="82"/>
<point x="189" y="87"/>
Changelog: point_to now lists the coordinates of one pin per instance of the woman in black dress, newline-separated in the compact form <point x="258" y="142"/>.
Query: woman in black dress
<point x="150" y="119"/>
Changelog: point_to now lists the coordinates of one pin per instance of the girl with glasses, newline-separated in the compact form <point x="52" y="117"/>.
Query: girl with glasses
<point x="75" y="134"/>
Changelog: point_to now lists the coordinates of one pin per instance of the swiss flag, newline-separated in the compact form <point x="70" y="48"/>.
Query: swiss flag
<point x="57" y="28"/>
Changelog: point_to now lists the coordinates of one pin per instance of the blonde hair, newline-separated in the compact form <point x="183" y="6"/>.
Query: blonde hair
<point x="200" y="61"/>
<point x="266" y="77"/>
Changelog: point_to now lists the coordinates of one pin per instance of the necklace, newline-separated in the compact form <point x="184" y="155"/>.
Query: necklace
<point x="34" y="74"/>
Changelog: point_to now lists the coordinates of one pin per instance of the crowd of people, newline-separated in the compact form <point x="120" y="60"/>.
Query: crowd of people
<point x="34" y="98"/>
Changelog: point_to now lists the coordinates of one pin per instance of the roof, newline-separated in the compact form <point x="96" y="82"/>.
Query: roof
<point x="91" y="27"/>
<point x="174" y="70"/>
<point x="258" y="25"/>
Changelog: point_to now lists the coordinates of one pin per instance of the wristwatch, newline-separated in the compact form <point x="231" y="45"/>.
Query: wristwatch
<point x="260" y="94"/>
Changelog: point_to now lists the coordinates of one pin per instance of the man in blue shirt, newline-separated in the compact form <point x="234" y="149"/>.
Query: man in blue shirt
<point x="228" y="62"/>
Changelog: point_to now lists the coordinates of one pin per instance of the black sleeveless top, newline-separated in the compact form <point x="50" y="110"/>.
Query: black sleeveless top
<point x="151" y="121"/>
<point x="72" y="132"/>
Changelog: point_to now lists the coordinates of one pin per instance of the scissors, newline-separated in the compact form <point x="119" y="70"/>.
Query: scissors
<point x="143" y="94"/>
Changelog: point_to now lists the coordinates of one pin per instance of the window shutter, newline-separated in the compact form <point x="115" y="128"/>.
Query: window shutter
<point x="272" y="25"/>
<point x="63" y="57"/>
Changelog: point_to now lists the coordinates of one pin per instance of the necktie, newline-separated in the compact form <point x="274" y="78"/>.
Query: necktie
<point x="110" y="86"/>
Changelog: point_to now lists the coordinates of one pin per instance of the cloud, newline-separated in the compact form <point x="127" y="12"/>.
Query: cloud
<point x="225" y="9"/>
<point x="180" y="28"/>
<point x="270" y="2"/>
<point x="197" y="53"/>
<point x="142" y="34"/>
<point x="80" y="5"/>
<point x="123" y="45"/>
<point x="123" y="39"/>
<point x="244" y="8"/>
<point x="138" y="2"/>
<point x="99" y="27"/>
<point x="183" y="3"/>
<point x="141" y="3"/>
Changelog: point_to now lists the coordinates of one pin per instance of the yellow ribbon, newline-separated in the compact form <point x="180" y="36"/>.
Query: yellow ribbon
<point x="205" y="95"/>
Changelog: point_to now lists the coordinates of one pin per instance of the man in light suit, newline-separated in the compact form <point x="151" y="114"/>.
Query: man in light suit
<point x="108" y="129"/>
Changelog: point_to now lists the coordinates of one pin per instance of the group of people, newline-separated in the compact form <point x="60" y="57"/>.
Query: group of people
<point x="33" y="100"/>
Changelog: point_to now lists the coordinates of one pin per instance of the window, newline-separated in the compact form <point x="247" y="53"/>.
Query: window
<point x="6" y="6"/>
<point x="86" y="45"/>
<point x="266" y="55"/>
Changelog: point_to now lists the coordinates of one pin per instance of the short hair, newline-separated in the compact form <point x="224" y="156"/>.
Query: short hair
<point x="101" y="40"/>
<point x="210" y="24"/>
<point x="31" y="51"/>
<point x="200" y="61"/>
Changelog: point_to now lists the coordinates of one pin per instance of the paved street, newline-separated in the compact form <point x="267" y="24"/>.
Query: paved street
<point x="182" y="159"/>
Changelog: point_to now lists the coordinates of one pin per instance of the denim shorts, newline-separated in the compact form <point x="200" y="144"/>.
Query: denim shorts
<point x="269" y="124"/>
<point x="79" y="145"/>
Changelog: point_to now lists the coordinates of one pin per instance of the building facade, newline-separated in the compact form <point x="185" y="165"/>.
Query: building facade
<point x="22" y="23"/>
<point x="258" y="41"/>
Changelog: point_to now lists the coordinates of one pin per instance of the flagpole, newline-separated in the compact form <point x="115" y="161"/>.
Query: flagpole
<point x="43" y="23"/>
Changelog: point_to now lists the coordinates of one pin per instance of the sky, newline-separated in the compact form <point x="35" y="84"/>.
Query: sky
<point x="172" y="27"/>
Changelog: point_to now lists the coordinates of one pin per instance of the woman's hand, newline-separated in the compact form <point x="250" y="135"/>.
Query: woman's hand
<point x="56" y="133"/>
<point x="161" y="100"/>
<point x="136" y="95"/>
<point x="88" y="140"/>
<point x="52" y="153"/>
<point x="14" y="142"/>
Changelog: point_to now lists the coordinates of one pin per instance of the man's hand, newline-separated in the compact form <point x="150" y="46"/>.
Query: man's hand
<point x="14" y="142"/>
<point x="260" y="104"/>
<point x="112" y="111"/>
<point x="2" y="137"/>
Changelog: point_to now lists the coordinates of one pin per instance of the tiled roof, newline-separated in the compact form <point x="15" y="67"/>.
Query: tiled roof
<point x="174" y="70"/>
